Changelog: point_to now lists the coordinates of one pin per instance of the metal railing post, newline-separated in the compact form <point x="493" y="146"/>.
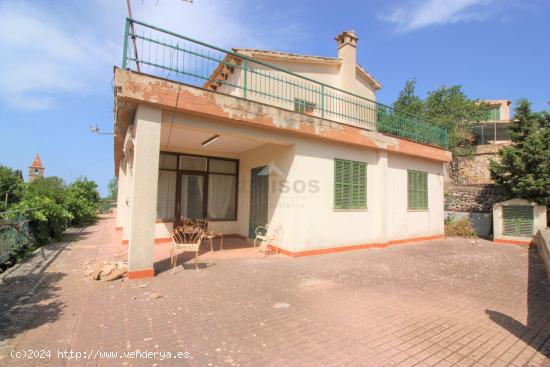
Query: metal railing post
<point x="322" y="101"/>
<point x="245" y="82"/>
<point x="125" y="49"/>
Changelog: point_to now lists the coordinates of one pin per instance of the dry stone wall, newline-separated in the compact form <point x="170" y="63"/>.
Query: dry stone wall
<point x="472" y="198"/>
<point x="474" y="169"/>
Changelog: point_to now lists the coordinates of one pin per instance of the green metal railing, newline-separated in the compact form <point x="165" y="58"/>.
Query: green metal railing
<point x="155" y="51"/>
<point x="14" y="234"/>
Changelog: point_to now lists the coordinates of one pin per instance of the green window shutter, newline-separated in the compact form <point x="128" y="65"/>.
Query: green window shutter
<point x="338" y="184"/>
<point x="417" y="190"/>
<point x="517" y="221"/>
<point x="350" y="184"/>
<point x="410" y="184"/>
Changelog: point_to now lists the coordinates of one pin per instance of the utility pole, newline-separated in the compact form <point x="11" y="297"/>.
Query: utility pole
<point x="133" y="33"/>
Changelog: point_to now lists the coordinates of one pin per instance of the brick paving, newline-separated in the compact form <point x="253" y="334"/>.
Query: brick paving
<point x="439" y="303"/>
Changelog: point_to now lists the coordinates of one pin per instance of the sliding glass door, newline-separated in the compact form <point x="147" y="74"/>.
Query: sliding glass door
<point x="192" y="196"/>
<point x="197" y="187"/>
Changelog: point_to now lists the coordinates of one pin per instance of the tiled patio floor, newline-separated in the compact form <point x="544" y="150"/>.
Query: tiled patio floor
<point x="440" y="303"/>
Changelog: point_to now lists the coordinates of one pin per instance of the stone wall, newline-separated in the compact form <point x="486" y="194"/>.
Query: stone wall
<point x="477" y="199"/>
<point x="474" y="169"/>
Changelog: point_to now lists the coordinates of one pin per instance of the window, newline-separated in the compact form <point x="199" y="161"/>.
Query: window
<point x="166" y="196"/>
<point x="350" y="184"/>
<point x="166" y="192"/>
<point x="200" y="187"/>
<point x="417" y="183"/>
<point x="303" y="106"/>
<point x="222" y="189"/>
<point x="493" y="114"/>
<point x="193" y="163"/>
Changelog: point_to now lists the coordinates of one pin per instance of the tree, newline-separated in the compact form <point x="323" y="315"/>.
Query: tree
<point x="523" y="169"/>
<point x="82" y="200"/>
<point x="408" y="101"/>
<point x="112" y="186"/>
<point x="11" y="187"/>
<point x="446" y="106"/>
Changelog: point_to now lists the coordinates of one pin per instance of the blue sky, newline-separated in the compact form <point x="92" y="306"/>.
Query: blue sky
<point x="58" y="57"/>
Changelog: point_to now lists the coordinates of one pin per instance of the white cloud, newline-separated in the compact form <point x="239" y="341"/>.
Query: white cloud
<point x="54" y="49"/>
<point x="420" y="14"/>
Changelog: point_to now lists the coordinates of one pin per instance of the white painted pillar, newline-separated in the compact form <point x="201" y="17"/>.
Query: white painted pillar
<point x="127" y="199"/>
<point x="383" y="195"/>
<point x="121" y="194"/>
<point x="143" y="206"/>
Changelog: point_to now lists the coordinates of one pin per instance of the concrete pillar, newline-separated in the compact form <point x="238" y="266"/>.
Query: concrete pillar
<point x="121" y="194"/>
<point x="143" y="206"/>
<point x="127" y="199"/>
<point x="383" y="194"/>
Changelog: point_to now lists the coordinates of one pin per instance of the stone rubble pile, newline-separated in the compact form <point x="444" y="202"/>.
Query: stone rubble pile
<point x="106" y="270"/>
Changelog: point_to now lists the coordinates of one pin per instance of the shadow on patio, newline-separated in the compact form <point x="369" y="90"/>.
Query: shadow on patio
<point x="536" y="332"/>
<point x="21" y="310"/>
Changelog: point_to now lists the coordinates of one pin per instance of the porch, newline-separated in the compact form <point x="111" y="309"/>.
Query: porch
<point x="204" y="169"/>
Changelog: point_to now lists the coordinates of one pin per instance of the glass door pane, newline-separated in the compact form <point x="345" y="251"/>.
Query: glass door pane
<point x="192" y="197"/>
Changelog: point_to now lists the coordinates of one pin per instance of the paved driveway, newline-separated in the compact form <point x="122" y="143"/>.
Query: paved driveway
<point x="440" y="303"/>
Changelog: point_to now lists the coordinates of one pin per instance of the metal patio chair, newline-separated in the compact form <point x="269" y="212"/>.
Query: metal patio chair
<point x="186" y="239"/>
<point x="209" y="235"/>
<point x="266" y="235"/>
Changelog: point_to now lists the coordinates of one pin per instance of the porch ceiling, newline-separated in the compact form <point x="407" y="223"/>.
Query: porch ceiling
<point x="192" y="139"/>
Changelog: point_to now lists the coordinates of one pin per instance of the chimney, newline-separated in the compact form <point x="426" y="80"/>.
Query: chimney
<point x="347" y="52"/>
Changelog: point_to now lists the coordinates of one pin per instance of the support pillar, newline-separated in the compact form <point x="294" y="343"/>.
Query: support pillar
<point x="127" y="199"/>
<point x="121" y="195"/>
<point x="143" y="198"/>
<point x="383" y="204"/>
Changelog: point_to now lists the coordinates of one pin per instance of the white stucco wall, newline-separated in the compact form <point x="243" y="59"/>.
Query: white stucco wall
<point x="302" y="188"/>
<point x="308" y="220"/>
<point x="406" y="223"/>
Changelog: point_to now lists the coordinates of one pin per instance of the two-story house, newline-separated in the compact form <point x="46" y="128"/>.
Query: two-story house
<point x="247" y="137"/>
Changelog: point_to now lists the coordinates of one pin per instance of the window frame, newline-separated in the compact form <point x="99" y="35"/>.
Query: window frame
<point x="493" y="111"/>
<point x="351" y="178"/>
<point x="417" y="190"/>
<point x="206" y="173"/>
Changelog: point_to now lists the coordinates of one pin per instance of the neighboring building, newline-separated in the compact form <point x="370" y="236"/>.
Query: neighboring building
<point x="470" y="189"/>
<point x="494" y="130"/>
<point x="36" y="169"/>
<point x="490" y="135"/>
<point x="224" y="136"/>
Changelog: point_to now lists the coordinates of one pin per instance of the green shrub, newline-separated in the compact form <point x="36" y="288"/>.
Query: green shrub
<point x="82" y="201"/>
<point x="51" y="206"/>
<point x="461" y="228"/>
<point x="44" y="203"/>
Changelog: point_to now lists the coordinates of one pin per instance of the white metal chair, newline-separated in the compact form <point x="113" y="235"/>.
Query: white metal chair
<point x="186" y="239"/>
<point x="266" y="236"/>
